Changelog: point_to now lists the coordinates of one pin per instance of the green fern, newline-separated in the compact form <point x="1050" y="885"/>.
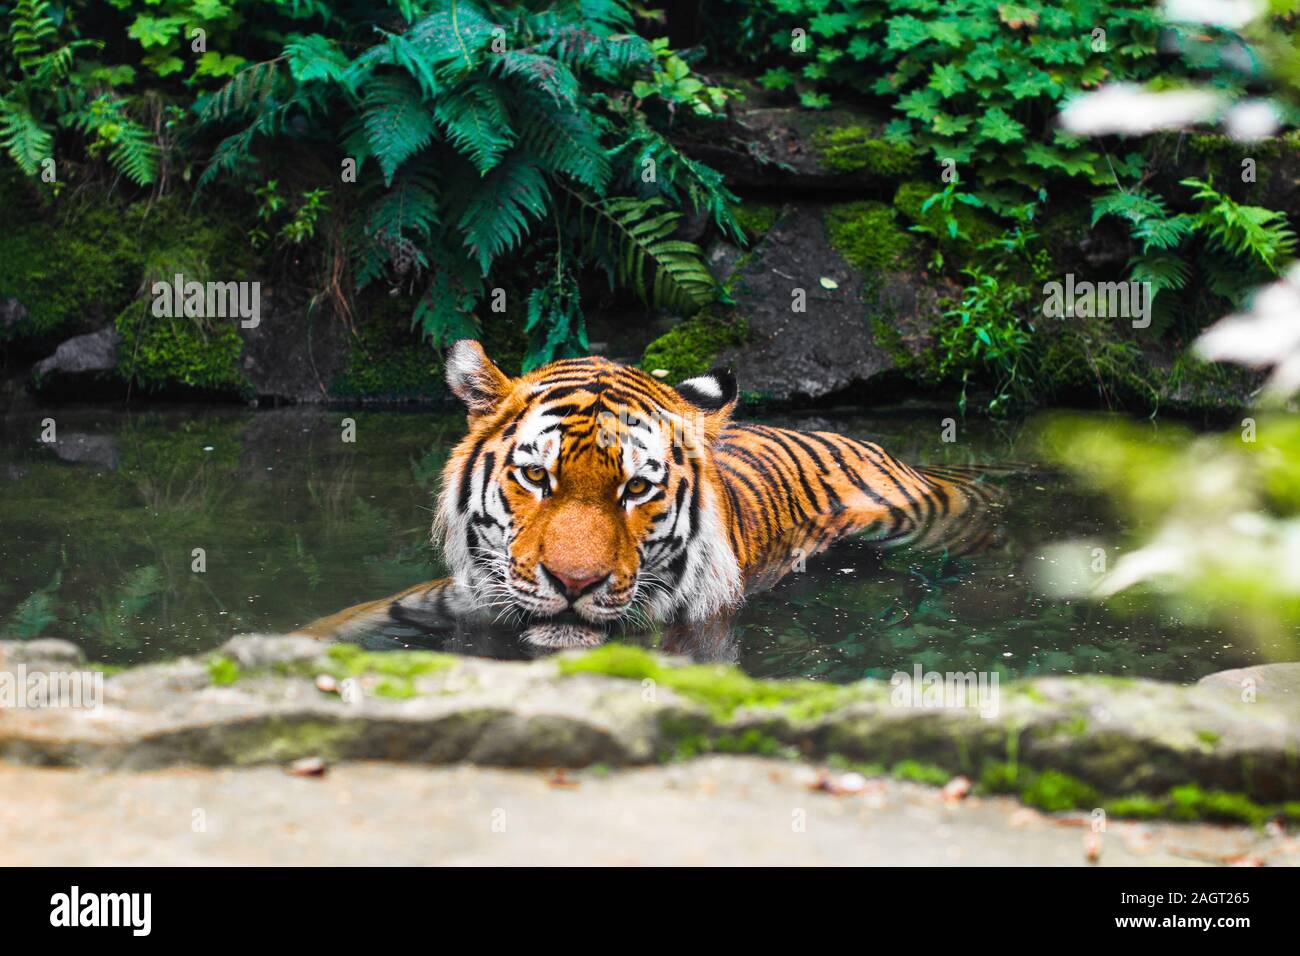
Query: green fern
<point x="566" y="144"/>
<point x="496" y="218"/>
<point x="554" y="323"/>
<point x="132" y="150"/>
<point x="31" y="31"/>
<point x="480" y="148"/>
<point x="633" y="238"/>
<point x="397" y="122"/>
<point x="23" y="137"/>
<point x="1254" y="233"/>
<point x="476" y="121"/>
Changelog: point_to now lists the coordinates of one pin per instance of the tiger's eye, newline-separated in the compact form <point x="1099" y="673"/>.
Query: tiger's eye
<point x="635" y="487"/>
<point x="535" y="473"/>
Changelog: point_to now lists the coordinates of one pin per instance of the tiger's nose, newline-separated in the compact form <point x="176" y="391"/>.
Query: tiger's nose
<point x="574" y="586"/>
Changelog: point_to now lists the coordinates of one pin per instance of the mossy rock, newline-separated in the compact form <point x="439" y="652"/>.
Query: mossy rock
<point x="71" y="268"/>
<point x="690" y="348"/>
<point x="387" y="360"/>
<point x="77" y="264"/>
<point x="755" y="219"/>
<point x="848" y="149"/>
<point x="163" y="353"/>
<point x="869" y="237"/>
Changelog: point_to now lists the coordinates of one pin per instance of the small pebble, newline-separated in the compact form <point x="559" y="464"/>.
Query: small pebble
<point x="326" y="684"/>
<point x="1092" y="846"/>
<point x="956" y="789"/>
<point x="308" y="767"/>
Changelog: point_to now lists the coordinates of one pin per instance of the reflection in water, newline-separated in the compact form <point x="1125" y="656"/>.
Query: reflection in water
<point x="98" y="535"/>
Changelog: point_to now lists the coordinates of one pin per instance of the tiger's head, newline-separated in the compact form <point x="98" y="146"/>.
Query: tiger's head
<point x="586" y="490"/>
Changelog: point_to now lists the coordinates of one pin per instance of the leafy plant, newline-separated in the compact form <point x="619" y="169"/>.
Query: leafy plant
<point x="976" y="82"/>
<point x="43" y="89"/>
<point x="1235" y="246"/>
<point x="988" y="331"/>
<point x="477" y="126"/>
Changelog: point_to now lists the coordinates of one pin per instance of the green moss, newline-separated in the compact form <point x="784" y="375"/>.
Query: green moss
<point x="1089" y="355"/>
<point x="159" y="352"/>
<point x="690" y="348"/>
<point x="349" y="660"/>
<point x="721" y="688"/>
<point x="1137" y="807"/>
<point x="756" y="219"/>
<point x="852" y="148"/>
<point x="1074" y="727"/>
<point x="222" y="670"/>
<point x="69" y="266"/>
<point x="107" y="252"/>
<point x="387" y="360"/>
<point x="1054" y="791"/>
<point x="868" y="236"/>
<point x="1000" y="778"/>
<point x="1048" y="790"/>
<point x="1190" y="802"/>
<point x="281" y="739"/>
<point x="918" y="772"/>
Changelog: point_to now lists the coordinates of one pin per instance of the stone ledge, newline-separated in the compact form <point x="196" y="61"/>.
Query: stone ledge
<point x="257" y="700"/>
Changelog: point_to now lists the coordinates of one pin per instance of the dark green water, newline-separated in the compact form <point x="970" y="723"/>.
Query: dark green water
<point x="97" y="536"/>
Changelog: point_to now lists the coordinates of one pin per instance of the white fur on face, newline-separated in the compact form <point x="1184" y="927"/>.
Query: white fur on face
<point x="685" y="570"/>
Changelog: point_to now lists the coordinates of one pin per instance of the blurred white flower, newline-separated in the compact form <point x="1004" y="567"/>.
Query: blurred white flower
<point x="1221" y="13"/>
<point x="1251" y="120"/>
<point x="1129" y="109"/>
<point x="1266" y="334"/>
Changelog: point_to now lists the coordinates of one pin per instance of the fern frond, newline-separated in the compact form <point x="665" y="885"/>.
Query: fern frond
<point x="396" y="120"/>
<point x="633" y="237"/>
<point x="678" y="178"/>
<point x="496" y="216"/>
<point x="446" y="310"/>
<point x="248" y="90"/>
<point x="565" y="143"/>
<point x="1259" y="235"/>
<point x="410" y="206"/>
<point x="1156" y="233"/>
<point x="451" y="41"/>
<point x="1163" y="270"/>
<point x="554" y="322"/>
<point x="1135" y="205"/>
<point x="135" y="153"/>
<point x="31" y="30"/>
<point x="314" y="57"/>
<point x="22" y="136"/>
<point x="476" y="121"/>
<point x="543" y="73"/>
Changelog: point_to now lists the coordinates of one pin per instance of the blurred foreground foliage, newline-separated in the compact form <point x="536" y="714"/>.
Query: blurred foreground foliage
<point x="1215" y="519"/>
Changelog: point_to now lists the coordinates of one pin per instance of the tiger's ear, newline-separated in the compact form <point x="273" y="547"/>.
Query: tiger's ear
<point x="713" y="393"/>
<point x="474" y="378"/>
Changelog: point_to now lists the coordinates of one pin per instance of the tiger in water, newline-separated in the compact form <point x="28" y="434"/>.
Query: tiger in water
<point x="588" y="495"/>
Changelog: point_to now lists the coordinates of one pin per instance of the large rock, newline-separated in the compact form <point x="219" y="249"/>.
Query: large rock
<point x="259" y="700"/>
<point x="762" y="144"/>
<point x="858" y="326"/>
<point x="1275" y="685"/>
<point x="92" y="354"/>
<point x="12" y="312"/>
<point x="294" y="352"/>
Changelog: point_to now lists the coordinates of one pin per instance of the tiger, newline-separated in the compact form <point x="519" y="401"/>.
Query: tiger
<point x="589" y="493"/>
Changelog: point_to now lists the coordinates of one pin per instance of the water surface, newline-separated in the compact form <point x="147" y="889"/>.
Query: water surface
<point x="98" y="539"/>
